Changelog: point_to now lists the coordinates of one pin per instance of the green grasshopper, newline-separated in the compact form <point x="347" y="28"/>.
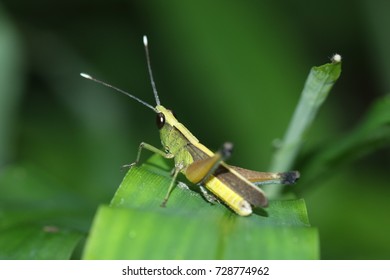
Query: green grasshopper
<point x="235" y="186"/>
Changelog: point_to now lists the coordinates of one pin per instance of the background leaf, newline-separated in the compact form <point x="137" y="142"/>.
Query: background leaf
<point x="46" y="222"/>
<point x="11" y="84"/>
<point x="372" y="133"/>
<point x="38" y="243"/>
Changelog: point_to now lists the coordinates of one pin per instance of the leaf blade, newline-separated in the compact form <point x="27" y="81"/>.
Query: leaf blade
<point x="316" y="89"/>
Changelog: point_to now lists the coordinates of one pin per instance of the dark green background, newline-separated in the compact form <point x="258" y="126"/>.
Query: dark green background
<point x="231" y="70"/>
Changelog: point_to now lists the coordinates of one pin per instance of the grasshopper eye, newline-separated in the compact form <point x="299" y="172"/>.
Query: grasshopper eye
<point x="160" y="120"/>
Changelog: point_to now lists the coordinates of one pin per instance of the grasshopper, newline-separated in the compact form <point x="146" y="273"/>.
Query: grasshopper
<point x="234" y="186"/>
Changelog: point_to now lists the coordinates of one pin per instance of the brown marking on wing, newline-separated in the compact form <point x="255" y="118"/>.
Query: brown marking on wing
<point x="247" y="190"/>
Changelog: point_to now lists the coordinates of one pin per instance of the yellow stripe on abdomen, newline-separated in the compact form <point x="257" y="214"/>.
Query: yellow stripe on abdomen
<point x="232" y="199"/>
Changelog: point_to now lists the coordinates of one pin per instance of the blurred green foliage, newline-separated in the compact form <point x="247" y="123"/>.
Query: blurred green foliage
<point x="231" y="70"/>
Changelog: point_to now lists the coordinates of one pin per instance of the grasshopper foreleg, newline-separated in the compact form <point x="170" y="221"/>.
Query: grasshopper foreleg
<point x="151" y="148"/>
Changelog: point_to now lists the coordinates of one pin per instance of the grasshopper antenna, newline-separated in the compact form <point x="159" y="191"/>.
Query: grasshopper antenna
<point x="86" y="76"/>
<point x="150" y="71"/>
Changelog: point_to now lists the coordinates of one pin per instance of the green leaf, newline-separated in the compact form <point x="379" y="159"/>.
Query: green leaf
<point x="317" y="87"/>
<point x="134" y="226"/>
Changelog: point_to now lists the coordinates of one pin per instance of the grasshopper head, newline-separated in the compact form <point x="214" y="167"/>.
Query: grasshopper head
<point x="165" y="121"/>
<point x="164" y="116"/>
<point x="171" y="130"/>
